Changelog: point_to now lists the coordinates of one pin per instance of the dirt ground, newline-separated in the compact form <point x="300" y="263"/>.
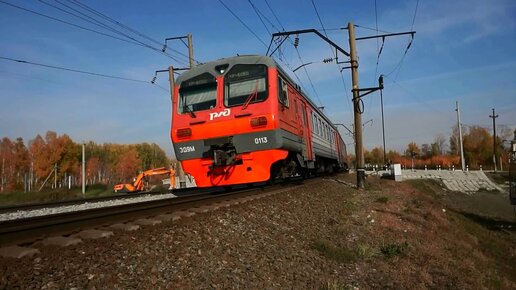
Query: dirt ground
<point x="323" y="234"/>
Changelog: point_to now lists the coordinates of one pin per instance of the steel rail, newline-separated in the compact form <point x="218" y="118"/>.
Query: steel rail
<point x="78" y="201"/>
<point x="28" y="230"/>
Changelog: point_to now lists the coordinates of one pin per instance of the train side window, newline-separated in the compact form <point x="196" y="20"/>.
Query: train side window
<point x="283" y="92"/>
<point x="313" y="122"/>
<point x="316" y="129"/>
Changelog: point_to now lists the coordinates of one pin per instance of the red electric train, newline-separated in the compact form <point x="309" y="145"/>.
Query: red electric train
<point x="242" y="120"/>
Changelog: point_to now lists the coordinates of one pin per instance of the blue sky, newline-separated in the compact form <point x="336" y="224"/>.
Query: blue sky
<point x="463" y="51"/>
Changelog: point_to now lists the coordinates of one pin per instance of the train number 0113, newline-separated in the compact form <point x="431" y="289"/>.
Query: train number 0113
<point x="260" y="140"/>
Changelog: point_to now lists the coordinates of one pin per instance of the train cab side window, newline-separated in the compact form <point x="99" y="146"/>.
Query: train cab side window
<point x="283" y="92"/>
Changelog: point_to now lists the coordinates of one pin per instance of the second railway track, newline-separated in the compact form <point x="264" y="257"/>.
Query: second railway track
<point x="29" y="230"/>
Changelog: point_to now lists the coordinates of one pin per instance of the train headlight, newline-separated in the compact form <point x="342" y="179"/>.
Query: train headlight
<point x="258" y="121"/>
<point x="184" y="133"/>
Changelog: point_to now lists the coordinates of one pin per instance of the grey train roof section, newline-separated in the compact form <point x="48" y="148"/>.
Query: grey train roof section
<point x="209" y="67"/>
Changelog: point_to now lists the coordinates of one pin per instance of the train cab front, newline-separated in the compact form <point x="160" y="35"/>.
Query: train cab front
<point x="224" y="128"/>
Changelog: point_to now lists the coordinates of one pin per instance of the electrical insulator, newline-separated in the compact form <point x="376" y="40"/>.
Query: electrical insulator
<point x="327" y="60"/>
<point x="153" y="80"/>
<point x="296" y="42"/>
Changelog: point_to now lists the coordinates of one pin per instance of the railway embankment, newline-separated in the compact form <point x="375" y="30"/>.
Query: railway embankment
<point x="324" y="234"/>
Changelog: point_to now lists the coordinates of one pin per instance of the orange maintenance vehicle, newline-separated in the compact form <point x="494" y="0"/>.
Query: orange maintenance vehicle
<point x="140" y="182"/>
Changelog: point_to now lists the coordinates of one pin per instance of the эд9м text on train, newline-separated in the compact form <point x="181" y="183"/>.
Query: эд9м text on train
<point x="243" y="120"/>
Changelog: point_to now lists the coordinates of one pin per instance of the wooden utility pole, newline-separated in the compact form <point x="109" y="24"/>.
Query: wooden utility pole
<point x="171" y="81"/>
<point x="383" y="130"/>
<point x="359" y="149"/>
<point x="189" y="44"/>
<point x="83" y="169"/>
<point x="462" y="161"/>
<point x="493" y="116"/>
<point x="55" y="175"/>
<point x="3" y="174"/>
<point x="190" y="50"/>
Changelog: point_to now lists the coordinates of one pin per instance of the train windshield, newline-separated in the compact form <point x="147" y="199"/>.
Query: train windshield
<point x="245" y="84"/>
<point x="197" y="94"/>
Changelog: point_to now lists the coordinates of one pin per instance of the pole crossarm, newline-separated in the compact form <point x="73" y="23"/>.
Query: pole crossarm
<point x="188" y="45"/>
<point x="386" y="35"/>
<point x="350" y="132"/>
<point x="370" y="90"/>
<point x="303" y="31"/>
<point x="367" y="90"/>
<point x="166" y="70"/>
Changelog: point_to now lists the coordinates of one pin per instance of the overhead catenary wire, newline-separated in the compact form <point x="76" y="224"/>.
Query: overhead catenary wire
<point x="309" y="78"/>
<point x="400" y="63"/>
<point x="85" y="28"/>
<point x="243" y="23"/>
<point x="378" y="51"/>
<point x="120" y="24"/>
<point x="371" y="28"/>
<point x="68" y="23"/>
<point x="104" y="26"/>
<point x="319" y="17"/>
<point x="299" y="57"/>
<point x="259" y="16"/>
<point x="338" y="66"/>
<point x="72" y="70"/>
<point x="274" y="14"/>
<point x="285" y="62"/>
<point x="282" y="57"/>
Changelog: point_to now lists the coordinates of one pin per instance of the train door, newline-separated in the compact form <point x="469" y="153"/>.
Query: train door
<point x="304" y="130"/>
<point x="307" y="133"/>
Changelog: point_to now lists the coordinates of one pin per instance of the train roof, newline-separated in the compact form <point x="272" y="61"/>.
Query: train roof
<point x="209" y="67"/>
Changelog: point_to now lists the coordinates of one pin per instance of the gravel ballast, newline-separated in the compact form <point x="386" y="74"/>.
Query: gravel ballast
<point x="296" y="239"/>
<point x="21" y="214"/>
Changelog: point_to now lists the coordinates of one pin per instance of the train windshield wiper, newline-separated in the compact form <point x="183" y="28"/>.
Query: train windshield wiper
<point x="252" y="96"/>
<point x="187" y="109"/>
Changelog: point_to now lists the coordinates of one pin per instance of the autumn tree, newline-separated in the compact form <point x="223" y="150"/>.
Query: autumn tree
<point x="128" y="165"/>
<point x="438" y="145"/>
<point x="7" y="163"/>
<point x="37" y="157"/>
<point x="393" y="155"/>
<point x="92" y="169"/>
<point x="151" y="156"/>
<point x="478" y="146"/>
<point x="105" y="163"/>
<point x="412" y="150"/>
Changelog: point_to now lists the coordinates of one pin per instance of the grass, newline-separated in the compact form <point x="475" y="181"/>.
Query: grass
<point x="339" y="254"/>
<point x="429" y="186"/>
<point x="382" y="199"/>
<point x="349" y="207"/>
<point x="394" y="249"/>
<point x="493" y="242"/>
<point x="361" y="251"/>
<point x="51" y="195"/>
<point x="332" y="285"/>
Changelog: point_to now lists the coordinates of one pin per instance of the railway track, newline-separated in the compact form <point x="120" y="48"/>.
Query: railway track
<point x="29" y="230"/>
<point x="78" y="201"/>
